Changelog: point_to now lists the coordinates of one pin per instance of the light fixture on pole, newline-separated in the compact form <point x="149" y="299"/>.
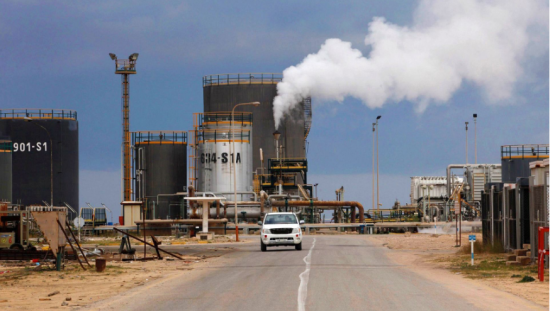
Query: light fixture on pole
<point x="276" y="135"/>
<point x="377" y="168"/>
<point x="27" y="119"/>
<point x="475" y="137"/>
<point x="466" y="142"/>
<point x="126" y="67"/>
<point x="233" y="162"/>
<point x="373" y="139"/>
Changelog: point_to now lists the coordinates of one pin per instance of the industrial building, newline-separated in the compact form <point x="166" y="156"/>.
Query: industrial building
<point x="514" y="209"/>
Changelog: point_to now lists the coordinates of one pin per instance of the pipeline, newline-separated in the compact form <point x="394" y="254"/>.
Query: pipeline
<point x="238" y="192"/>
<point x="321" y="204"/>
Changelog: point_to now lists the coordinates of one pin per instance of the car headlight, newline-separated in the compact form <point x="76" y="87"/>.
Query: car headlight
<point x="295" y="230"/>
<point x="266" y="231"/>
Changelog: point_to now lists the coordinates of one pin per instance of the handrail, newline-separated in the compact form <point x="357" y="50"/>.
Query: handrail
<point x="37" y="113"/>
<point x="241" y="78"/>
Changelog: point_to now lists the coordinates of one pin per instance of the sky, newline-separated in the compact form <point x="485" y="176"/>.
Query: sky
<point x="55" y="55"/>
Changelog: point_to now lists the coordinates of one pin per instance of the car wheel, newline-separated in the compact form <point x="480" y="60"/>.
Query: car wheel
<point x="264" y="247"/>
<point x="299" y="246"/>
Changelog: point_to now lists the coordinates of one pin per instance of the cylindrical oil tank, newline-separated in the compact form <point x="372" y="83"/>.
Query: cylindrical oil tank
<point x="5" y="170"/>
<point x="160" y="169"/>
<point x="515" y="160"/>
<point x="215" y="137"/>
<point x="222" y="92"/>
<point x="42" y="137"/>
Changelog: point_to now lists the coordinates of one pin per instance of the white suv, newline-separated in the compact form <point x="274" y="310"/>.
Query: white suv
<point x="281" y="229"/>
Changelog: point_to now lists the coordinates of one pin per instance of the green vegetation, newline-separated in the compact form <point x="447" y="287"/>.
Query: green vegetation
<point x="526" y="279"/>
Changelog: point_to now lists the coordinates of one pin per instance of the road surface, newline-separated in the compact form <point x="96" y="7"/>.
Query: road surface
<point x="330" y="273"/>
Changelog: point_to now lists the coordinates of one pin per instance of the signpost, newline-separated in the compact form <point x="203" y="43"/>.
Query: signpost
<point x="472" y="239"/>
<point x="79" y="223"/>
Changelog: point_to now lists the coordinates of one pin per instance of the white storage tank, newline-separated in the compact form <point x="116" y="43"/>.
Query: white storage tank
<point x="215" y="137"/>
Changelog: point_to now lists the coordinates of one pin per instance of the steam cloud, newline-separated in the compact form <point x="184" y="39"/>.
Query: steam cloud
<point x="450" y="41"/>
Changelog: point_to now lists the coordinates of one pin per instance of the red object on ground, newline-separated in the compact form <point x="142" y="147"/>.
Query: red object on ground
<point x="121" y="220"/>
<point x="542" y="252"/>
<point x="35" y="260"/>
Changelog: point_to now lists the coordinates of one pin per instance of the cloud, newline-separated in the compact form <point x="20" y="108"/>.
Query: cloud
<point x="449" y="43"/>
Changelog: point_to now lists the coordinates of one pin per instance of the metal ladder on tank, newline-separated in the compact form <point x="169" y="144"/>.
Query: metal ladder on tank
<point x="308" y="116"/>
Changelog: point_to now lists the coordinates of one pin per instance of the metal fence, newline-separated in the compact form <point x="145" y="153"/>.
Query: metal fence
<point x="21" y="113"/>
<point x="242" y="78"/>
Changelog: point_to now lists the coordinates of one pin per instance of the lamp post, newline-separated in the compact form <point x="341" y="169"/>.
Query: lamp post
<point x="276" y="135"/>
<point x="373" y="130"/>
<point x="466" y="142"/>
<point x="51" y="157"/>
<point x="475" y="137"/>
<point x="377" y="168"/>
<point x="232" y="139"/>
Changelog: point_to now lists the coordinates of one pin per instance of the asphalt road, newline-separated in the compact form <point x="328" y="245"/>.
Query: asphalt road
<point x="346" y="273"/>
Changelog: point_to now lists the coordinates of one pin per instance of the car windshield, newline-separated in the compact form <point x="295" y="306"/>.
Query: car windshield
<point x="280" y="219"/>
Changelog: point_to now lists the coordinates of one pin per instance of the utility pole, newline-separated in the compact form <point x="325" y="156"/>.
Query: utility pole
<point x="475" y="137"/>
<point x="377" y="169"/>
<point x="466" y="142"/>
<point x="373" y="129"/>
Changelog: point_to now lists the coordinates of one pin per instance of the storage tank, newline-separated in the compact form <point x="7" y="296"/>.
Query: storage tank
<point x="5" y="170"/>
<point x="215" y="135"/>
<point x="515" y="160"/>
<point x="41" y="137"/>
<point x="160" y="168"/>
<point x="223" y="91"/>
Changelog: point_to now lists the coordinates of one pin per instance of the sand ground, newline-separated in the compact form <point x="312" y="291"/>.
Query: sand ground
<point x="437" y="256"/>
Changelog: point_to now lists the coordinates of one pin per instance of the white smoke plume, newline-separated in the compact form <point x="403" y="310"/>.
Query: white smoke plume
<point x="448" y="43"/>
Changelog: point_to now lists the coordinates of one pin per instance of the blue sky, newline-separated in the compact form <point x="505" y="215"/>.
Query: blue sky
<point x="56" y="56"/>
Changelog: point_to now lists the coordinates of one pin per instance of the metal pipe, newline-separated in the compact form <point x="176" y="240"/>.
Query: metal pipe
<point x="321" y="204"/>
<point x="491" y="199"/>
<point x="238" y="192"/>
<point x="181" y="221"/>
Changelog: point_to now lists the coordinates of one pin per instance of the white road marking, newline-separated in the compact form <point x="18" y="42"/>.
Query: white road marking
<point x="304" y="279"/>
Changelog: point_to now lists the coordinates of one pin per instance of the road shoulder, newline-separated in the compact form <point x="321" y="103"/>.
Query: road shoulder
<point x="421" y="258"/>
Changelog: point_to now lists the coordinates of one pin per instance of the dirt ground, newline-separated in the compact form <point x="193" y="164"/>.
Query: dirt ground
<point x="438" y="252"/>
<point x="26" y="286"/>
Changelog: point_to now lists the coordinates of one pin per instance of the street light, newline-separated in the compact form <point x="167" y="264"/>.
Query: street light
<point x="255" y="104"/>
<point x="466" y="142"/>
<point x="276" y="135"/>
<point x="377" y="168"/>
<point x="27" y="119"/>
<point x="373" y="130"/>
<point x="475" y="137"/>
